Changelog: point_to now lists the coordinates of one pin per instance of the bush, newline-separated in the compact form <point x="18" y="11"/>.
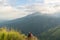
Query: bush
<point x="6" y="34"/>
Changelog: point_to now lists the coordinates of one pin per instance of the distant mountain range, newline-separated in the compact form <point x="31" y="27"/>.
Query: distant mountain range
<point x="36" y="23"/>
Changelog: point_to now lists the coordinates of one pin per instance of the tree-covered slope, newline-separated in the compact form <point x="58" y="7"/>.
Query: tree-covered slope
<point x="35" y="23"/>
<point x="51" y="34"/>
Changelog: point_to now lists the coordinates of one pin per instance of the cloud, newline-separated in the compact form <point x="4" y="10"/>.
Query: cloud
<point x="49" y="9"/>
<point x="12" y="12"/>
<point x="3" y="2"/>
<point x="8" y="12"/>
<point x="49" y="6"/>
<point x="52" y="1"/>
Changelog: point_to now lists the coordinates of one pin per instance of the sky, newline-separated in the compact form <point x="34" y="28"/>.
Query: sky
<point x="12" y="9"/>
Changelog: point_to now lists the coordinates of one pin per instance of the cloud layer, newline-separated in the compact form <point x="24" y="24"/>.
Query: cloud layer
<point x="7" y="11"/>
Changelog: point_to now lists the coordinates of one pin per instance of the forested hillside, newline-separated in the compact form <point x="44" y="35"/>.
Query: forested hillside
<point x="51" y="34"/>
<point x="41" y="25"/>
<point x="35" y="23"/>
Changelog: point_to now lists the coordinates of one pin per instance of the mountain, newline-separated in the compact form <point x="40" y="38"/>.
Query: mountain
<point x="45" y="26"/>
<point x="2" y="21"/>
<point x="56" y="14"/>
<point x="36" y="23"/>
<point x="51" y="34"/>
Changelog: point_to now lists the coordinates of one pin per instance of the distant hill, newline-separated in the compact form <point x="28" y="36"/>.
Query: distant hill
<point x="36" y="23"/>
<point x="51" y="34"/>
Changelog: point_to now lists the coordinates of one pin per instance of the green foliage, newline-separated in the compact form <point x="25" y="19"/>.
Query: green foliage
<point x="51" y="34"/>
<point x="6" y="34"/>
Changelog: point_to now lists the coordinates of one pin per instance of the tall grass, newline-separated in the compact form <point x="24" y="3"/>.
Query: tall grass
<point x="6" y="34"/>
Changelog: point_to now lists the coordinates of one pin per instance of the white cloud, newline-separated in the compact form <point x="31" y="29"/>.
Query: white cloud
<point x="3" y="2"/>
<point x="49" y="6"/>
<point x="52" y="5"/>
<point x="44" y="9"/>
<point x="9" y="12"/>
<point x="52" y="1"/>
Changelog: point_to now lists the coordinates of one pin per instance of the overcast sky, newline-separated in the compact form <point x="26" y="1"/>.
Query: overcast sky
<point x="11" y="9"/>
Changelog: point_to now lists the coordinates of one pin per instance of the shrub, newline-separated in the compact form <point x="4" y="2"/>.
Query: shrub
<point x="6" y="34"/>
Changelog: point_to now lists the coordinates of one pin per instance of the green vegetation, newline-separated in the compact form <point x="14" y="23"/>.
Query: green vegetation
<point x="6" y="34"/>
<point x="51" y="34"/>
